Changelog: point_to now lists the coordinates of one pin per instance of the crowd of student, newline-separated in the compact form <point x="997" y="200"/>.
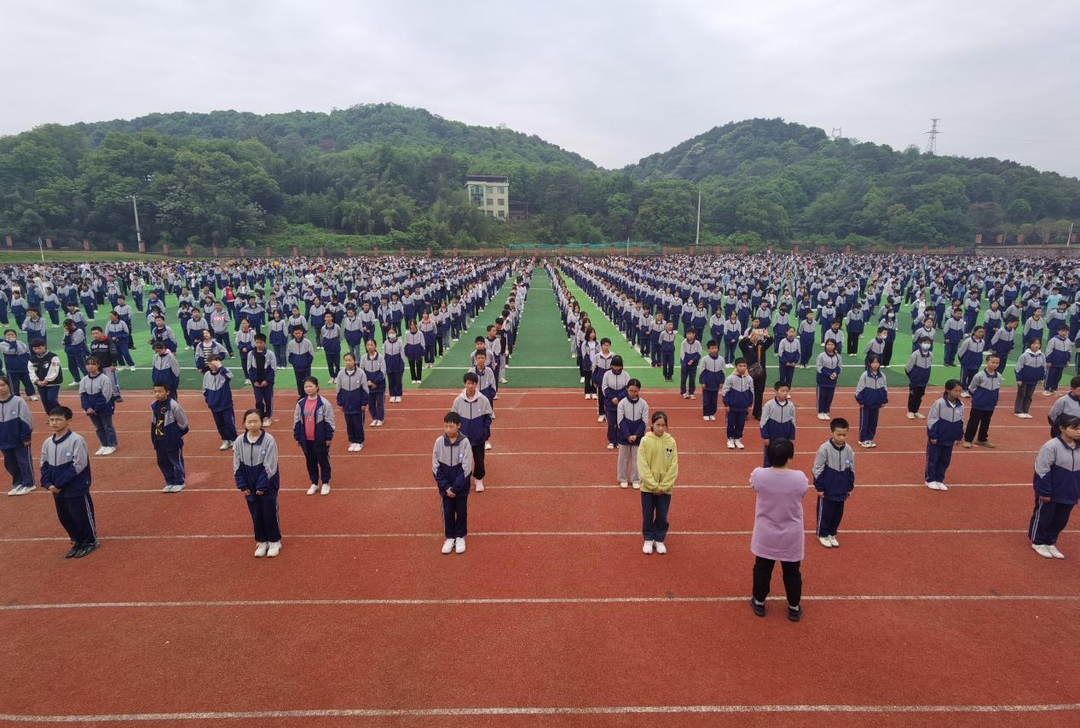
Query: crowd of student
<point x="436" y="301"/>
<point x="749" y="306"/>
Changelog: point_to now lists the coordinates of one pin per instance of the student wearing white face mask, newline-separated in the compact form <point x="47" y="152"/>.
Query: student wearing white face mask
<point x="918" y="372"/>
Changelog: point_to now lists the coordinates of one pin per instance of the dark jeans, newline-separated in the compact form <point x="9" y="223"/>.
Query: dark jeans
<point x="978" y="423"/>
<point x="654" y="510"/>
<point x="106" y="433"/>
<point x="763" y="569"/>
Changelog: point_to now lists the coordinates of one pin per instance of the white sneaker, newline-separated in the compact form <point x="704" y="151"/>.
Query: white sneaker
<point x="920" y="416"/>
<point x="479" y="485"/>
<point x="691" y="397"/>
<point x="225" y="445"/>
<point x="942" y="486"/>
<point x="459" y="545"/>
<point x="487" y="445"/>
<point x="313" y="489"/>
<point x="73" y="384"/>
<point x="274" y="550"/>
<point x="26" y="490"/>
<point x="582" y="380"/>
<point x="352" y="447"/>
<point x="260" y="549"/>
<point x="1054" y="552"/>
<point x="177" y="488"/>
<point x="167" y="489"/>
<point x="730" y="444"/>
<point x="685" y="396"/>
<point x="864" y="443"/>
<point x="267" y="422"/>
<point x="648" y="547"/>
<point x="448" y="546"/>
<point x="705" y="417"/>
<point x="1047" y="393"/>
<point x="623" y="484"/>
<point x="636" y="484"/>
<point x="822" y="416"/>
<point x="325" y="490"/>
<point x="33" y="398"/>
<point x="247" y="382"/>
<point x="660" y="547"/>
<point x="712" y="418"/>
<point x="1019" y="415"/>
<point x="15" y="490"/>
<point x="109" y="450"/>
<point x="825" y="541"/>
<point x="965" y="395"/>
<point x="99" y="451"/>
<point x="1028" y="416"/>
<point x="131" y="369"/>
<point x="834" y="542"/>
<point x="911" y="415"/>
<point x="739" y="445"/>
<point x="1042" y="550"/>
<point x="610" y="446"/>
<point x="600" y="418"/>
<point x="931" y="485"/>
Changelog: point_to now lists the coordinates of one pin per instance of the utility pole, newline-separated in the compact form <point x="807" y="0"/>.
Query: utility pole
<point x="697" y="233"/>
<point x="1068" y="238"/>
<point x="931" y="145"/>
<point x="138" y="233"/>
<point x="41" y="249"/>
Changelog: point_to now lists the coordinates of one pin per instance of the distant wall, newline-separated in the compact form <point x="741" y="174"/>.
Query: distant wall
<point x="1025" y="251"/>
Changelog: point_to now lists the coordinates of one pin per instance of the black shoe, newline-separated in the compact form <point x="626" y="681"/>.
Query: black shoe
<point x="759" y="609"/>
<point x="794" y="614"/>
<point x="118" y="399"/>
<point x="86" y="550"/>
<point x="74" y="550"/>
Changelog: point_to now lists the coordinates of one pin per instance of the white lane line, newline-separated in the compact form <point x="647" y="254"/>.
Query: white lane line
<point x="497" y="488"/>
<point x="978" y="709"/>
<point x="519" y="534"/>
<point x="598" y="427"/>
<point x="233" y="603"/>
<point x="754" y="452"/>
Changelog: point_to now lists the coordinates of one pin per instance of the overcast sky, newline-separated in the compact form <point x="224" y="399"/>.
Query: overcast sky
<point x="613" y="81"/>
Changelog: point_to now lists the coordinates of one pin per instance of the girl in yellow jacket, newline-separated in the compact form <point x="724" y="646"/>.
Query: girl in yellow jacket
<point x="658" y="466"/>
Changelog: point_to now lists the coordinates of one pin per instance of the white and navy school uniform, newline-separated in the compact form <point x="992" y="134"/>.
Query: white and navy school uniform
<point x="918" y="373"/>
<point x="1002" y="342"/>
<point x="394" y="357"/>
<point x="689" y="356"/>
<point x="945" y="425"/>
<point x="1068" y="405"/>
<point x="1030" y="370"/>
<point x="375" y="370"/>
<point x="96" y="393"/>
<point x="632" y="416"/>
<point x="262" y="367"/>
<point x="777" y="421"/>
<point x="738" y="397"/>
<point x="168" y="426"/>
<point x="165" y="370"/>
<point x="1058" y="356"/>
<point x="971" y="355"/>
<point x="984" y="389"/>
<point x="601" y="364"/>
<point x="486" y="385"/>
<point x="352" y="397"/>
<point x="245" y="343"/>
<point x="872" y="394"/>
<point x="807" y="332"/>
<point x="828" y="366"/>
<point x="789" y="354"/>
<point x="1057" y="477"/>
<point x="75" y="348"/>
<point x="301" y="355"/>
<point x="16" y="428"/>
<point x="476" y="415"/>
<point x="613" y="386"/>
<point x="452" y="466"/>
<point x="255" y="467"/>
<point x="65" y="464"/>
<point x="712" y="378"/>
<point x="217" y="391"/>
<point x="317" y="448"/>
<point x="834" y="478"/>
<point x="953" y="334"/>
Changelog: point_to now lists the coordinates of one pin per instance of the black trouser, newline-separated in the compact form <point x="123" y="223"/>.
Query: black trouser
<point x="978" y="422"/>
<point x="886" y="353"/>
<point x="763" y="569"/>
<point x="478" y="471"/>
<point x="77" y="517"/>
<point x="914" y="398"/>
<point x="853" y="344"/>
<point x="416" y="368"/>
<point x="759" y="394"/>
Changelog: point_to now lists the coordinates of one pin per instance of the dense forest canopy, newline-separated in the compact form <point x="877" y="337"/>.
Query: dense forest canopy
<point x="387" y="173"/>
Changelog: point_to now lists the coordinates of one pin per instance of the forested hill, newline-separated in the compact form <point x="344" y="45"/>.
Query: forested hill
<point x="783" y="179"/>
<point x="382" y="124"/>
<point x="394" y="176"/>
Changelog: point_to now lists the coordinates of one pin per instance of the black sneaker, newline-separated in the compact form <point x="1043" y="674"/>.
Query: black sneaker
<point x="794" y="613"/>
<point x="74" y="550"/>
<point x="86" y="550"/>
<point x="758" y="607"/>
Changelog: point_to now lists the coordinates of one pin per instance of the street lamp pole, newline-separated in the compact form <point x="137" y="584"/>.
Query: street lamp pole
<point x="138" y="232"/>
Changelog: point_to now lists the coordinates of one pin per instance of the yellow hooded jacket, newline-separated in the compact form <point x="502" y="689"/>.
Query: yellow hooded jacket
<point x="658" y="463"/>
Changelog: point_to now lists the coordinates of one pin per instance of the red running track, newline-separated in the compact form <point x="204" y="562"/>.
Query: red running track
<point x="933" y="612"/>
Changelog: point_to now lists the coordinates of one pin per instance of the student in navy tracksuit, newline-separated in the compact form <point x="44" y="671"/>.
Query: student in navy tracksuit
<point x="374" y="366"/>
<point x="665" y="346"/>
<point x="255" y="468"/>
<point x="984" y="387"/>
<point x="301" y="355"/>
<point x="352" y="397"/>
<point x="1030" y="370"/>
<point x="807" y="335"/>
<point x="834" y="479"/>
<point x="632" y="415"/>
<point x="712" y="378"/>
<point x="1057" y="487"/>
<point x="944" y="428"/>
<point x="313" y="430"/>
<point x="65" y="472"/>
<point x="732" y="333"/>
<point x="48" y="375"/>
<point x="871" y="394"/>
<point x="165" y="368"/>
<point x="971" y="354"/>
<point x="96" y="397"/>
<point x="613" y="388"/>
<point x="738" y="397"/>
<point x="487" y="385"/>
<point x="168" y="425"/>
<point x="601" y="363"/>
<point x="394" y="358"/>
<point x="689" y="356"/>
<point x="217" y="391"/>
<point x="75" y="348"/>
<point x="452" y="464"/>
<point x="828" y="365"/>
<point x="474" y="410"/>
<point x="953" y="334"/>
<point x="16" y="429"/>
<point x="778" y="418"/>
<point x="17" y="363"/>
<point x="261" y="370"/>
<point x="918" y="373"/>
<point x="1058" y="356"/>
<point x="789" y="354"/>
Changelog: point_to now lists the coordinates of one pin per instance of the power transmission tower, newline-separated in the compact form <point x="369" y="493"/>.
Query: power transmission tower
<point x="931" y="145"/>
<point x="837" y="133"/>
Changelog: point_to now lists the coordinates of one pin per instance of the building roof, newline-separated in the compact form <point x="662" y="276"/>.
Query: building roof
<point x="487" y="178"/>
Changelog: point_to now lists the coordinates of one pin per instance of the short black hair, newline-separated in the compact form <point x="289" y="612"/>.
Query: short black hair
<point x="453" y="417"/>
<point x="36" y="343"/>
<point x="839" y="423"/>
<point x="779" y="452"/>
<point x="61" y="411"/>
<point x="470" y="377"/>
<point x="616" y="361"/>
<point x="634" y="383"/>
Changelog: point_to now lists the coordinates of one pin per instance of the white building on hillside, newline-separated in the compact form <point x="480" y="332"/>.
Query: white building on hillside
<point x="490" y="193"/>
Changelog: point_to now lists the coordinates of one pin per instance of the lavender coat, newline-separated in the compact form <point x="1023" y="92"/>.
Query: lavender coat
<point x="778" y="519"/>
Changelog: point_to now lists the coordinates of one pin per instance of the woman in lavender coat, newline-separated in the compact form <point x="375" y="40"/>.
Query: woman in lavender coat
<point x="778" y="526"/>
